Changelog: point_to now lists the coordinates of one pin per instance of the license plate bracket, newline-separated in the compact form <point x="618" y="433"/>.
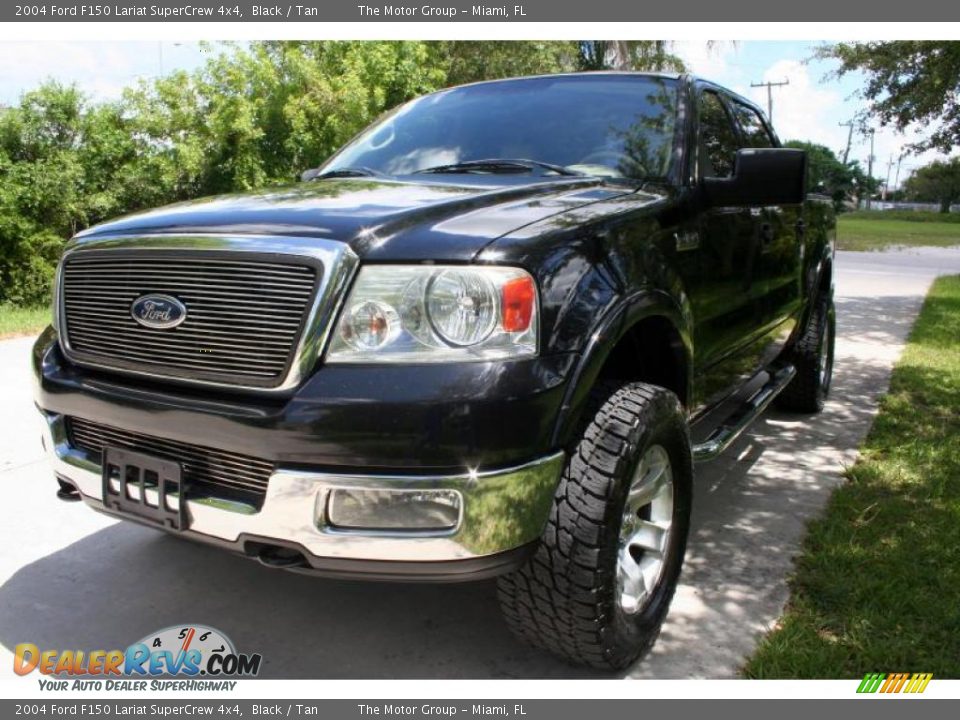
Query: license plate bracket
<point x="131" y="479"/>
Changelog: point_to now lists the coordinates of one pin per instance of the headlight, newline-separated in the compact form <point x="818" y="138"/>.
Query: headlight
<point x="430" y="313"/>
<point x="462" y="306"/>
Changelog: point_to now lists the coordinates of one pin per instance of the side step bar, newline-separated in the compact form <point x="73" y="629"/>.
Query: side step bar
<point x="731" y="428"/>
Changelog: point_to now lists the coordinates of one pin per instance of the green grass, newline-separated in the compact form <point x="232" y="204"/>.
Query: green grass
<point x="16" y="321"/>
<point x="877" y="586"/>
<point x="922" y="216"/>
<point x="876" y="231"/>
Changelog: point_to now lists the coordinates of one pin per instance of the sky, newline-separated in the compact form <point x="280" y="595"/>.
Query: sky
<point x="809" y="108"/>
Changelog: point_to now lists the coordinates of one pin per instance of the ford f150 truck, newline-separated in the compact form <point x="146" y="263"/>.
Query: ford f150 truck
<point x="475" y="343"/>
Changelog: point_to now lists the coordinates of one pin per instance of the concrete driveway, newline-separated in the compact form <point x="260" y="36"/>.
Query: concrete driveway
<point x="70" y="578"/>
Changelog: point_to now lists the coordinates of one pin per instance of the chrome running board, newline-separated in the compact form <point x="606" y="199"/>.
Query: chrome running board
<point x="731" y="428"/>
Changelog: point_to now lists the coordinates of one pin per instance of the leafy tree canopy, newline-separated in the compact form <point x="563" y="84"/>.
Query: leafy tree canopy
<point x="827" y="174"/>
<point x="908" y="82"/>
<point x="937" y="182"/>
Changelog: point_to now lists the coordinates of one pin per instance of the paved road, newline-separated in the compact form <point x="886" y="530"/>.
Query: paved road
<point x="70" y="578"/>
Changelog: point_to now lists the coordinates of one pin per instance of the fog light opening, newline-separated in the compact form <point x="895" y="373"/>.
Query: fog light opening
<point x="397" y="510"/>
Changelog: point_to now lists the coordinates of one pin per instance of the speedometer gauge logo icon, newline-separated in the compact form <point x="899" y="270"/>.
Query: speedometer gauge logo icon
<point x="202" y="638"/>
<point x="189" y="650"/>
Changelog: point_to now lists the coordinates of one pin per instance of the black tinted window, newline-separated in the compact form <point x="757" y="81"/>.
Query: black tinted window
<point x="755" y="134"/>
<point x="718" y="141"/>
<point x="603" y="124"/>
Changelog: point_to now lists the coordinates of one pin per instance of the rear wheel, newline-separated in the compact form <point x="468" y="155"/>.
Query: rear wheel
<point x="599" y="585"/>
<point x="813" y="358"/>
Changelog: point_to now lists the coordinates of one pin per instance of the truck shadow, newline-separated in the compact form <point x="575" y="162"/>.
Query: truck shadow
<point x="118" y="584"/>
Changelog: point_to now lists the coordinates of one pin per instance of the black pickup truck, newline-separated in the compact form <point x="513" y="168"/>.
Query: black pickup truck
<point x="475" y="343"/>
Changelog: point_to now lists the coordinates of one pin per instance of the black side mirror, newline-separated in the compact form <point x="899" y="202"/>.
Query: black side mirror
<point x="761" y="176"/>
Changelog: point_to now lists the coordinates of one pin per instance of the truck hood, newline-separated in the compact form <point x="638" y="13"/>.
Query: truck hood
<point x="380" y="219"/>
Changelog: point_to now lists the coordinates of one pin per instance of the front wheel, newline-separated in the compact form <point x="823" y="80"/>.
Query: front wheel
<point x="598" y="587"/>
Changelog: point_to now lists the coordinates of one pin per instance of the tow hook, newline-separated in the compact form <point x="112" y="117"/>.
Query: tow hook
<point x="67" y="492"/>
<point x="274" y="556"/>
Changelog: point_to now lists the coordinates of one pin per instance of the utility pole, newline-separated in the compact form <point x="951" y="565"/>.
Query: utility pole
<point x="769" y="86"/>
<point x="846" y="152"/>
<point x="870" y="166"/>
<point x="896" y="182"/>
<point x="886" y="183"/>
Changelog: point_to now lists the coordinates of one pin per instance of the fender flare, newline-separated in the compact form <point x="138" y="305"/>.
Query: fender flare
<point x="619" y="319"/>
<point x="824" y="262"/>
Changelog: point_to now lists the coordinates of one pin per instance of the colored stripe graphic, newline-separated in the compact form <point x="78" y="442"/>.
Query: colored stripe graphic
<point x="894" y="683"/>
<point x="871" y="682"/>
<point x="919" y="682"/>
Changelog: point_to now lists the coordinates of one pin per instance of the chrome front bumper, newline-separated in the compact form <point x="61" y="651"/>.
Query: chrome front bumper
<point x="502" y="511"/>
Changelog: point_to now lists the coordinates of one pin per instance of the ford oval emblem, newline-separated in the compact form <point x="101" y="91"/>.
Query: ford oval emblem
<point x="158" y="311"/>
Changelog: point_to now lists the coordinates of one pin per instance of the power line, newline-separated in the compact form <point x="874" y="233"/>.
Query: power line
<point x="769" y="86"/>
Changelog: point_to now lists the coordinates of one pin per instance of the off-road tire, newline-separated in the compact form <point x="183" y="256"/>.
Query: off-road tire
<point x="565" y="598"/>
<point x="808" y="390"/>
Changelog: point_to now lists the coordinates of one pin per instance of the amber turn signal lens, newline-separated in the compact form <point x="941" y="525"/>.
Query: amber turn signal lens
<point x="518" y="298"/>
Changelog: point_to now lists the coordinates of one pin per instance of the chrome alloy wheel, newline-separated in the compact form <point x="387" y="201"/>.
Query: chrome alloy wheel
<point x="645" y="530"/>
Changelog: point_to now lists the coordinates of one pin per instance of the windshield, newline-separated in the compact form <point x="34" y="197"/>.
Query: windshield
<point x="597" y="125"/>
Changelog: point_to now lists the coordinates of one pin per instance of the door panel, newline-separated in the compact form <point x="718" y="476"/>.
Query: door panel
<point x="777" y="273"/>
<point x="721" y="299"/>
<point x="778" y="280"/>
<point x="719" y="268"/>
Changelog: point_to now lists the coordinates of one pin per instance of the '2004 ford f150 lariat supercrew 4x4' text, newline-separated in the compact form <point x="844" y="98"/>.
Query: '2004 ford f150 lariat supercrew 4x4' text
<point x="476" y="342"/>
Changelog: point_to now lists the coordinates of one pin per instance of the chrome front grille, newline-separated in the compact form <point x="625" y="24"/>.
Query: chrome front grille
<point x="245" y="313"/>
<point x="208" y="471"/>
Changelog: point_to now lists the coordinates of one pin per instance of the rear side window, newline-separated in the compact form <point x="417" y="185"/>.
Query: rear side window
<point x="755" y="133"/>
<point x="718" y="143"/>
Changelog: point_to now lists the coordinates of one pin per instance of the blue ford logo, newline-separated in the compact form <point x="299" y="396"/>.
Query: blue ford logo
<point x="158" y="311"/>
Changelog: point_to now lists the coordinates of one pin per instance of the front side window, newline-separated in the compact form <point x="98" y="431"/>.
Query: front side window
<point x="596" y="125"/>
<point x="718" y="142"/>
<point x="754" y="132"/>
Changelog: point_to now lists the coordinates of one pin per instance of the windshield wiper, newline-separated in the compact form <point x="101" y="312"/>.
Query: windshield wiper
<point x="497" y="165"/>
<point x="346" y="172"/>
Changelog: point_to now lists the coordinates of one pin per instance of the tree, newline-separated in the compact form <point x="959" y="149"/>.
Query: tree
<point x="937" y="182"/>
<point x="466" y="61"/>
<point x="627" y="55"/>
<point x="260" y="115"/>
<point x="63" y="163"/>
<point x="827" y="174"/>
<point x="908" y="82"/>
